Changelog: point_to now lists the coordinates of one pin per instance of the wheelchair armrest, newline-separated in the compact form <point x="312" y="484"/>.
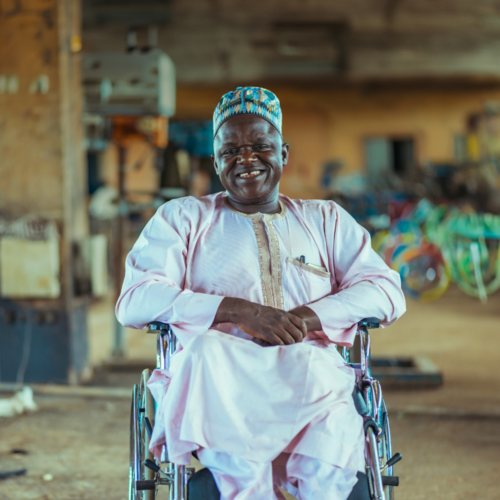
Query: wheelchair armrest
<point x="157" y="327"/>
<point x="369" y="323"/>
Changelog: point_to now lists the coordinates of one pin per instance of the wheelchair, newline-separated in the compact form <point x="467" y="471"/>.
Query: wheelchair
<point x="147" y="474"/>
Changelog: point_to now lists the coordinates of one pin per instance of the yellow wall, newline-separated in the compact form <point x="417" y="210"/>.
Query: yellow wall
<point x="326" y="124"/>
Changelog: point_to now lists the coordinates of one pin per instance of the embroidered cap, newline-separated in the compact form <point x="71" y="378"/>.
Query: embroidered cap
<point x="248" y="101"/>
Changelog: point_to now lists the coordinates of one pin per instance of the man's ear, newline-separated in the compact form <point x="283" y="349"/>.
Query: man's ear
<point x="215" y="165"/>
<point x="285" y="151"/>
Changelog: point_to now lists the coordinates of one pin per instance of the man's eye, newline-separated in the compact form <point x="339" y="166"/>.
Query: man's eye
<point x="231" y="152"/>
<point x="261" y="146"/>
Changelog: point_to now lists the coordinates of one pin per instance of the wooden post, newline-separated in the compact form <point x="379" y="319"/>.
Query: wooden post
<point x="42" y="167"/>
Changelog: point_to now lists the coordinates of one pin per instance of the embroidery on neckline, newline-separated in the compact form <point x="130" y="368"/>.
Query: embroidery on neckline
<point x="269" y="253"/>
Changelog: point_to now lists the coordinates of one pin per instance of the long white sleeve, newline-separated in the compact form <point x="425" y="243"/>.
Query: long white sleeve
<point x="153" y="288"/>
<point x="367" y="287"/>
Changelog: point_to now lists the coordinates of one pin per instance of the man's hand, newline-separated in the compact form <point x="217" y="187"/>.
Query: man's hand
<point x="309" y="317"/>
<point x="272" y="325"/>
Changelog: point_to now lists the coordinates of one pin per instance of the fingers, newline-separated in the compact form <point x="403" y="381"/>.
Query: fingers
<point x="300" y="324"/>
<point x="274" y="326"/>
<point x="294" y="333"/>
<point x="273" y="339"/>
<point x="290" y="334"/>
<point x="290" y="329"/>
<point x="286" y="337"/>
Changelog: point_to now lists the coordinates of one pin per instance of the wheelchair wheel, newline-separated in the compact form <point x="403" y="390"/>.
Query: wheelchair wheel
<point x="386" y="451"/>
<point x="141" y="479"/>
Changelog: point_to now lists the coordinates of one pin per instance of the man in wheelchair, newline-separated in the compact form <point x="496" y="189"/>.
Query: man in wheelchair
<point x="259" y="289"/>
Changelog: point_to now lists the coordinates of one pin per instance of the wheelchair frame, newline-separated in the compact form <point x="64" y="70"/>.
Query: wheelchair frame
<point x="146" y="473"/>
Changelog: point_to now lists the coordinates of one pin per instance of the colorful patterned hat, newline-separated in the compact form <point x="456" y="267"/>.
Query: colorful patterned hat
<point x="248" y="101"/>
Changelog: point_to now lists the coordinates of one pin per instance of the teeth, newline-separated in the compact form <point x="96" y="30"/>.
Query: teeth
<point x="255" y="172"/>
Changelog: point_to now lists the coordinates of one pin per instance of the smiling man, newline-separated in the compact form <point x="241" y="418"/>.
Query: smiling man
<point x="259" y="289"/>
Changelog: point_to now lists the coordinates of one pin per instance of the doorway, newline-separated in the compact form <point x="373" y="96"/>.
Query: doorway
<point x="386" y="157"/>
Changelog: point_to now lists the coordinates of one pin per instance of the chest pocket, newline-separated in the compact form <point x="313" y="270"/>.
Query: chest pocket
<point x="307" y="282"/>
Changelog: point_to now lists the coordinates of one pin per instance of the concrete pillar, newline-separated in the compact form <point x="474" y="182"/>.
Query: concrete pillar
<point x="42" y="168"/>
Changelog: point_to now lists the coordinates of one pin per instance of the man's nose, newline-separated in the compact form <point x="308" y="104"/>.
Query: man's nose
<point x="246" y="156"/>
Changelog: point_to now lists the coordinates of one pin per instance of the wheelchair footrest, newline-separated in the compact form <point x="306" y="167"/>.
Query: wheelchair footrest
<point x="145" y="485"/>
<point x="390" y="480"/>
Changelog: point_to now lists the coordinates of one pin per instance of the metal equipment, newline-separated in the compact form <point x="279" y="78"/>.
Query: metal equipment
<point x="129" y="83"/>
<point x="133" y="92"/>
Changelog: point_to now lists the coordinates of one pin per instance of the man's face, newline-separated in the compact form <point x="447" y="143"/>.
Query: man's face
<point x="249" y="158"/>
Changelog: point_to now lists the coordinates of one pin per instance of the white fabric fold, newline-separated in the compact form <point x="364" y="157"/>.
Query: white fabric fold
<point x="196" y="251"/>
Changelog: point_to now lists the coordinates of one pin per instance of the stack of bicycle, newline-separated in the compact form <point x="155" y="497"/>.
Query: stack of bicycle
<point x="432" y="245"/>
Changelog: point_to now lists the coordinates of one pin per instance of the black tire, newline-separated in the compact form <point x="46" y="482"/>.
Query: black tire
<point x="142" y="406"/>
<point x="132" y="451"/>
<point x="147" y="403"/>
<point x="386" y="450"/>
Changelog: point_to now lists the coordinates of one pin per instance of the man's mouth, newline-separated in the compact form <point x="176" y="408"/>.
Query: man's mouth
<point x="249" y="175"/>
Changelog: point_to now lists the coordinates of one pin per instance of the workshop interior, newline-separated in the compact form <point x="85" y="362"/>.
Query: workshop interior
<point x="391" y="109"/>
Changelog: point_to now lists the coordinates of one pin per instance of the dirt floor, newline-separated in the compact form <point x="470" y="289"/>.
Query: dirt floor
<point x="83" y="444"/>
